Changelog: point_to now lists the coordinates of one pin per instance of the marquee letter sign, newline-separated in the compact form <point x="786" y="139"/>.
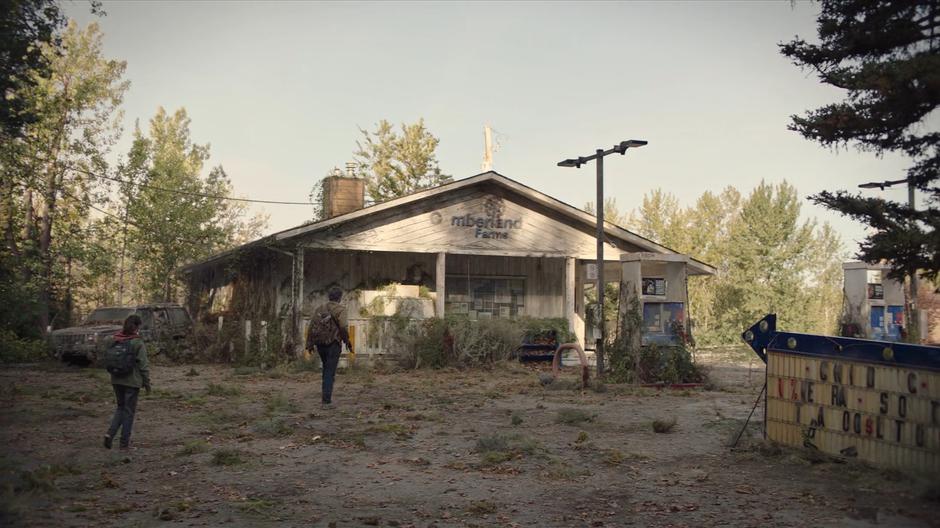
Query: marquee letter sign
<point x="875" y="400"/>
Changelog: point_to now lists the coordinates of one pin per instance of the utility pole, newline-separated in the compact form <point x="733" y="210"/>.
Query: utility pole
<point x="599" y="154"/>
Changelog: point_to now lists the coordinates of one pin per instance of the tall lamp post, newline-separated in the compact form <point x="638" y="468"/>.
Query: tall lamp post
<point x="599" y="154"/>
<point x="912" y="205"/>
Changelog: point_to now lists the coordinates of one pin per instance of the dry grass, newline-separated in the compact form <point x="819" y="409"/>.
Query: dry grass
<point x="571" y="416"/>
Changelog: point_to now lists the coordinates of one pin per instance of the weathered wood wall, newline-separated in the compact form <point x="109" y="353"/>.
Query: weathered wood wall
<point x="889" y="416"/>
<point x="449" y="224"/>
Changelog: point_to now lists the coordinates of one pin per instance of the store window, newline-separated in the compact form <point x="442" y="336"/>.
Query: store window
<point x="661" y="321"/>
<point x="875" y="287"/>
<point x="486" y="297"/>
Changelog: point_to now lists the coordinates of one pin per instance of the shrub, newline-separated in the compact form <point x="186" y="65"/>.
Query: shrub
<point x="657" y="363"/>
<point x="17" y="350"/>
<point x="457" y="341"/>
<point x="278" y="403"/>
<point x="225" y="391"/>
<point x="534" y="328"/>
<point x="496" y="449"/>
<point x="573" y="417"/>
<point x="193" y="447"/>
<point x="482" y="507"/>
<point x="273" y="427"/>
<point x="664" y="426"/>
<point x="227" y="457"/>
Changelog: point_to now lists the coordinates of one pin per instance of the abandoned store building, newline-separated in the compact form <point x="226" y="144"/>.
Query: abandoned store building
<point x="485" y="246"/>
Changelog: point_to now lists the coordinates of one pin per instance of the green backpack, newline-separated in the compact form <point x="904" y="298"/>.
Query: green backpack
<point x="119" y="358"/>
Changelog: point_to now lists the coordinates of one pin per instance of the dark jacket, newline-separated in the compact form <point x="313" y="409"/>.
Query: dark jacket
<point x="140" y="376"/>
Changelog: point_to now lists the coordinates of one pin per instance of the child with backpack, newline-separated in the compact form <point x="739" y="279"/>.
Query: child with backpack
<point x="126" y="360"/>
<point x="328" y="327"/>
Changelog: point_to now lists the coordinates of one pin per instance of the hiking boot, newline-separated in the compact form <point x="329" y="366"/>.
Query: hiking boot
<point x="107" y="442"/>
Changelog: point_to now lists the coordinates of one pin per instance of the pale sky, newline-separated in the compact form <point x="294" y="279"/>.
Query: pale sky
<point x="279" y="90"/>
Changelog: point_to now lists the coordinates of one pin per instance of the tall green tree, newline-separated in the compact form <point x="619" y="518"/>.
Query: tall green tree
<point x="766" y="259"/>
<point x="73" y="103"/>
<point x="769" y="264"/>
<point x="885" y="56"/>
<point x="176" y="215"/>
<point x="398" y="163"/>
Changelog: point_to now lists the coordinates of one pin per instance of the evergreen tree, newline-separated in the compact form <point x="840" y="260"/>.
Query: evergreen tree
<point x="884" y="55"/>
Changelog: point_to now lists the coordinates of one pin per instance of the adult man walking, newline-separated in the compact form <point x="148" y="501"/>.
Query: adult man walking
<point x="328" y="328"/>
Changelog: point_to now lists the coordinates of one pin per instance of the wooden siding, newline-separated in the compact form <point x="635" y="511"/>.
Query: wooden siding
<point x="885" y="415"/>
<point x="435" y="227"/>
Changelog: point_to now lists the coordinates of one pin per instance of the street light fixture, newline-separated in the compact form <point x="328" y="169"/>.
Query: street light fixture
<point x="882" y="185"/>
<point x="620" y="148"/>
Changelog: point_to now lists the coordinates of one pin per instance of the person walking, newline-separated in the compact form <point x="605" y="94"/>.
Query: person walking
<point x="127" y="362"/>
<point x="328" y="328"/>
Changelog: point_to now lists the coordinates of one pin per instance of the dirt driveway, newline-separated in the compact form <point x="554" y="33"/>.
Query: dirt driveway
<point x="216" y="445"/>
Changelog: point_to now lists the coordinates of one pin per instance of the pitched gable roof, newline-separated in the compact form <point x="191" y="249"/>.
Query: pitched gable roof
<point x="554" y="208"/>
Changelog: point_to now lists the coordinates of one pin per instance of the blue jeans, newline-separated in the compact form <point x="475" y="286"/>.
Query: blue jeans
<point x="124" y="413"/>
<point x="329" y="355"/>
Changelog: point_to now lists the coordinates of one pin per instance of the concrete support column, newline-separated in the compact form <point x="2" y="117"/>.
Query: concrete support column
<point x="297" y="302"/>
<point x="570" y="281"/>
<point x="440" y="278"/>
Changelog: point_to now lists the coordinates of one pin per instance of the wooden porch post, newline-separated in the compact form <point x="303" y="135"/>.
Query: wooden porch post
<point x="440" y="280"/>
<point x="297" y="302"/>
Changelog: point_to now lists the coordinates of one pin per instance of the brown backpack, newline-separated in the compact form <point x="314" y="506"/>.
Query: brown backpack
<point x="323" y="328"/>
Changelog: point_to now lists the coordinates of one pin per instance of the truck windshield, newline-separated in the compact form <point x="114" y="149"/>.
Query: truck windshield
<point x="109" y="315"/>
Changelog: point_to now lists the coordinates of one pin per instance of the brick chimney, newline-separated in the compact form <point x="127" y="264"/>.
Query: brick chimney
<point x="343" y="194"/>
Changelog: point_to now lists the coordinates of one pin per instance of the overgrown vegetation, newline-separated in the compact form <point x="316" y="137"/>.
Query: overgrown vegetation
<point x="664" y="426"/>
<point x="223" y="391"/>
<point x="274" y="426"/>
<point x="14" y="349"/>
<point x="571" y="416"/>
<point x="496" y="449"/>
<point x="227" y="457"/>
<point x="457" y="341"/>
<point x="193" y="447"/>
<point x="630" y="361"/>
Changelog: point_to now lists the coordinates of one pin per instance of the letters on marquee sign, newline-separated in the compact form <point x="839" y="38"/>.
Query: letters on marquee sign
<point x="878" y="401"/>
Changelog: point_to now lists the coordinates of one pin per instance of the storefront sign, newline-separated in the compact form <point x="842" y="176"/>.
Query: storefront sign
<point x="488" y="223"/>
